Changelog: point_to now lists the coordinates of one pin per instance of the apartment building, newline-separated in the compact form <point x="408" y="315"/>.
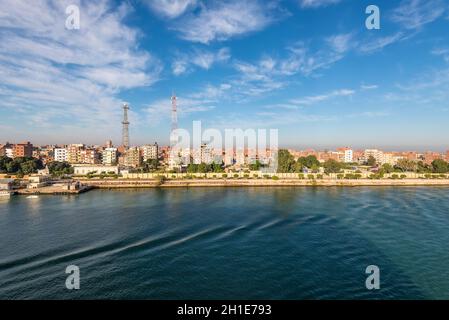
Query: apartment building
<point x="345" y="155"/>
<point x="132" y="157"/>
<point x="24" y="149"/>
<point x="109" y="156"/>
<point x="149" y="152"/>
<point x="60" y="154"/>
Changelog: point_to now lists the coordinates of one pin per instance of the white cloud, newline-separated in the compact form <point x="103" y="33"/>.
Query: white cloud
<point x="317" y="3"/>
<point x="375" y="44"/>
<point x="340" y="43"/>
<point x="319" y="98"/>
<point x="413" y="14"/>
<point x="199" y="58"/>
<point x="64" y="78"/>
<point x="170" y="8"/>
<point x="369" y="86"/>
<point x="221" y="20"/>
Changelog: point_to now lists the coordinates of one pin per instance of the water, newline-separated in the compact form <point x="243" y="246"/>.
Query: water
<point x="220" y="243"/>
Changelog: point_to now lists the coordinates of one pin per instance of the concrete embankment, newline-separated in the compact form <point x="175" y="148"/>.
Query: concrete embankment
<point x="113" y="184"/>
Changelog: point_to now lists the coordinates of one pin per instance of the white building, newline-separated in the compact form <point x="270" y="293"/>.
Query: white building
<point x="85" y="169"/>
<point x="60" y="154"/>
<point x="149" y="152"/>
<point x="9" y="152"/>
<point x="109" y="156"/>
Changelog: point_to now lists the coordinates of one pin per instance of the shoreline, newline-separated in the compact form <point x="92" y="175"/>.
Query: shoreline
<point x="123" y="184"/>
<point x="229" y="183"/>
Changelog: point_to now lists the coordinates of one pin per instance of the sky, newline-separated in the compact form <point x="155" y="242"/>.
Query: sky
<point x="309" y="68"/>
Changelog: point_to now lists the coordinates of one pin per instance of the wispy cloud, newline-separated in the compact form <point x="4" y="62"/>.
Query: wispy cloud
<point x="375" y="44"/>
<point x="310" y="100"/>
<point x="170" y="8"/>
<point x="221" y="20"/>
<point x="54" y="74"/>
<point x="442" y="52"/>
<point x="413" y="14"/>
<point x="317" y="3"/>
<point x="203" y="59"/>
<point x="369" y="86"/>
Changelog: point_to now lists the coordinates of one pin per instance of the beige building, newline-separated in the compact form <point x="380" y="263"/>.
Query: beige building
<point x="149" y="152"/>
<point x="132" y="157"/>
<point x="109" y="156"/>
<point x="86" y="169"/>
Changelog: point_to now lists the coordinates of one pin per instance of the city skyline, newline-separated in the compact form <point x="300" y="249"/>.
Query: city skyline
<point x="309" y="68"/>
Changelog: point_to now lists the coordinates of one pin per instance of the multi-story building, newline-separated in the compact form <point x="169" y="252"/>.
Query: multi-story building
<point x="89" y="156"/>
<point x="345" y="154"/>
<point x="24" y="149"/>
<point x="60" y="154"/>
<point x="132" y="157"/>
<point x="109" y="156"/>
<point x="149" y="152"/>
<point x="206" y="154"/>
<point x="74" y="153"/>
<point x="376" y="154"/>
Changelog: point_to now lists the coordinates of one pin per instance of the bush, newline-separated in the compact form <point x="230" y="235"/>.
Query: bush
<point x="266" y="176"/>
<point x="246" y="176"/>
<point x="310" y="177"/>
<point x="428" y="176"/>
<point x="319" y="176"/>
<point x="394" y="176"/>
<point x="340" y="176"/>
<point x="224" y="175"/>
<point x="255" y="176"/>
<point x="275" y="177"/>
<point x="301" y="176"/>
<point x="403" y="176"/>
<point x="236" y="175"/>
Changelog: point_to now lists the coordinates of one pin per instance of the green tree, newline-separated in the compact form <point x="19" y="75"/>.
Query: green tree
<point x="440" y="166"/>
<point x="406" y="165"/>
<point x="310" y="162"/>
<point x="255" y="166"/>
<point x="371" y="161"/>
<point x="57" y="168"/>
<point x="286" y="162"/>
<point x="386" y="168"/>
<point x="332" y="166"/>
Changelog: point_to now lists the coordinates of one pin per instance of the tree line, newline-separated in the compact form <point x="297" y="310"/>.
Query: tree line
<point x="287" y="164"/>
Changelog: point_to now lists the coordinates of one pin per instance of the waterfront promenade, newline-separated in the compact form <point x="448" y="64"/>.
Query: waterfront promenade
<point x="151" y="183"/>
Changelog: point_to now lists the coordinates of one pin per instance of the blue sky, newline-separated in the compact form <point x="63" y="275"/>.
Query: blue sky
<point x="309" y="68"/>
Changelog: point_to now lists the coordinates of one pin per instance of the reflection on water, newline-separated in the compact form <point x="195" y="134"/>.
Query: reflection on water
<point x="261" y="243"/>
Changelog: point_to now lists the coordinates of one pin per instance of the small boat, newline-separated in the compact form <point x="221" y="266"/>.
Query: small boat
<point x="32" y="197"/>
